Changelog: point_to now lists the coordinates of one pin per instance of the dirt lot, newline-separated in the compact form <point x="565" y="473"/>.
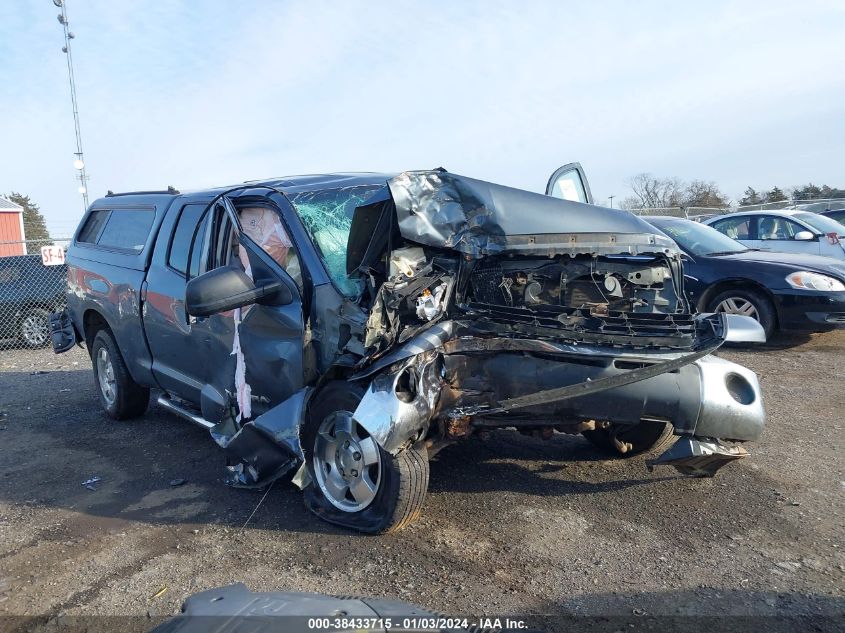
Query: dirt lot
<point x="511" y="525"/>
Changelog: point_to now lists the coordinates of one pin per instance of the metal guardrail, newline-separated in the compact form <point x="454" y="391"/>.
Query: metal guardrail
<point x="33" y="278"/>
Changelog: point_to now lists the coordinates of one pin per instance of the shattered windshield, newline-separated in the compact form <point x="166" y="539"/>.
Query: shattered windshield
<point x="327" y="215"/>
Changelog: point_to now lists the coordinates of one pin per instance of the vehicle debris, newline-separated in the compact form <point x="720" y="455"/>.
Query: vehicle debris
<point x="90" y="484"/>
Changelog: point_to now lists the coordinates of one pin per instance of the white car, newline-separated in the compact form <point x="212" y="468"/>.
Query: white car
<point x="785" y="230"/>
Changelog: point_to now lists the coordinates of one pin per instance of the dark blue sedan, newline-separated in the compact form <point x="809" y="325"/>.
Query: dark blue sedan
<point x="787" y="291"/>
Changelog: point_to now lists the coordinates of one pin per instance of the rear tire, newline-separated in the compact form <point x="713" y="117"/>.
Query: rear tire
<point x="647" y="436"/>
<point x="356" y="483"/>
<point x="122" y="398"/>
<point x="34" y="328"/>
<point x="749" y="303"/>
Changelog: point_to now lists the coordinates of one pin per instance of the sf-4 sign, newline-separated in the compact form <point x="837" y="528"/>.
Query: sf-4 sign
<point x="52" y="255"/>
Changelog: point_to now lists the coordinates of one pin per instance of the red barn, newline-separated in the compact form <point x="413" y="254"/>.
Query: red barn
<point x="11" y="228"/>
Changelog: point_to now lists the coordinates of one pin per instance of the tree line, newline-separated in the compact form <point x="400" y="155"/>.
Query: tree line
<point x="654" y="192"/>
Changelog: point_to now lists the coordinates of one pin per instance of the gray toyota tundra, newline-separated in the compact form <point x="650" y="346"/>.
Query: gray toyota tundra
<point x="342" y="328"/>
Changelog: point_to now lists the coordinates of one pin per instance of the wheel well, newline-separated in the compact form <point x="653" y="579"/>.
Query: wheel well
<point x="93" y="322"/>
<point x="735" y="284"/>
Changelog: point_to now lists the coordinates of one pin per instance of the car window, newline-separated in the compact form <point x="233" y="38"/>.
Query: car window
<point x="180" y="245"/>
<point x="127" y="229"/>
<point x="820" y="222"/>
<point x="839" y="216"/>
<point x="93" y="225"/>
<point x="772" y="227"/>
<point x="735" y="228"/>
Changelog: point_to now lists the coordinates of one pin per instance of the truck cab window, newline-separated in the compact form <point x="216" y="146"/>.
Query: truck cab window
<point x="180" y="245"/>
<point x="127" y="229"/>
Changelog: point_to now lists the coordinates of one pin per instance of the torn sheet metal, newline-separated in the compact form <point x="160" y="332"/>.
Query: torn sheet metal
<point x="266" y="448"/>
<point x="398" y="405"/>
<point x="264" y="227"/>
<point x="698" y="456"/>
<point x="477" y="218"/>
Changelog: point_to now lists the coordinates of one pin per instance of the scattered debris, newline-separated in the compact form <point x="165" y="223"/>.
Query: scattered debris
<point x="90" y="484"/>
<point x="159" y="593"/>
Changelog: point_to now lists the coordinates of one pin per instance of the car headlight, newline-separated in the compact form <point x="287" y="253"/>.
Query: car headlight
<point x="805" y="280"/>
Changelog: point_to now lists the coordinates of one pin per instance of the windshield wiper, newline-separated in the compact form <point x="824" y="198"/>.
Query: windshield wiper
<point x="717" y="253"/>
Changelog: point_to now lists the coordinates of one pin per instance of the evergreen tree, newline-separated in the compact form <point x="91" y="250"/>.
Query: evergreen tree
<point x="34" y="226"/>
<point x="775" y="195"/>
<point x="750" y="196"/>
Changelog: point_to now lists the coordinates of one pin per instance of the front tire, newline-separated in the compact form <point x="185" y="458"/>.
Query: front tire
<point x="122" y="398"/>
<point x="356" y="483"/>
<point x="746" y="302"/>
<point x="647" y="436"/>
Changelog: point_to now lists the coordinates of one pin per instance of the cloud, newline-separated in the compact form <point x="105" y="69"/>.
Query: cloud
<point x="198" y="94"/>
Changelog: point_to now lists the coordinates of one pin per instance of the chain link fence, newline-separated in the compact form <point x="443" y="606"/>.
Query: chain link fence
<point x="701" y="213"/>
<point x="691" y="213"/>
<point x="33" y="278"/>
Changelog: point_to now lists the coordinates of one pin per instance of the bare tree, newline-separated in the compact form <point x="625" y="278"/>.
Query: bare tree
<point x="701" y="193"/>
<point x="652" y="192"/>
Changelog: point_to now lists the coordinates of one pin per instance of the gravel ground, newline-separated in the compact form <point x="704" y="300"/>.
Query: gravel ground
<point x="511" y="525"/>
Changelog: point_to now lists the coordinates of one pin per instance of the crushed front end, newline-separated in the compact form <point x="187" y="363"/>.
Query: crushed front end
<point x="493" y="307"/>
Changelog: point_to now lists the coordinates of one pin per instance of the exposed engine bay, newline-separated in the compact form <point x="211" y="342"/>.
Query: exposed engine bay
<point x="597" y="284"/>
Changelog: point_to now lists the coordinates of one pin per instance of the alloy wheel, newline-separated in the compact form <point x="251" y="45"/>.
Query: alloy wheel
<point x="105" y="376"/>
<point x="347" y="463"/>
<point x="738" y="305"/>
<point x="35" y="330"/>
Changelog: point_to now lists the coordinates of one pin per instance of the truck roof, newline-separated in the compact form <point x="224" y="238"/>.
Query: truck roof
<point x="287" y="184"/>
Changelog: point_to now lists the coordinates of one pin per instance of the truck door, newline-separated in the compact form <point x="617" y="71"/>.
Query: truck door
<point x="570" y="183"/>
<point x="196" y="357"/>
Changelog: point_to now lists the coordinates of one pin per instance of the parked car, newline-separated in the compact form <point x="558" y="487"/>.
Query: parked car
<point x="344" y="327"/>
<point x="784" y="230"/>
<point x="783" y="291"/>
<point x="29" y="292"/>
<point x="834" y="214"/>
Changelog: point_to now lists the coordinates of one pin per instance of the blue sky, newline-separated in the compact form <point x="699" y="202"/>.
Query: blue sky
<point x="191" y="93"/>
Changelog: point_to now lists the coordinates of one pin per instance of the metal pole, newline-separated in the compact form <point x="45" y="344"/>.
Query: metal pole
<point x="82" y="176"/>
<point x="611" y="201"/>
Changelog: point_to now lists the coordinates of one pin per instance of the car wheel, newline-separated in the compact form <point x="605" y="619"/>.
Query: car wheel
<point x="122" y="398"/>
<point x="747" y="303"/>
<point x="35" y="328"/>
<point x="647" y="436"/>
<point x="356" y="483"/>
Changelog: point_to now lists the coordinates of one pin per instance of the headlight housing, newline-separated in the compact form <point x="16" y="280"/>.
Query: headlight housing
<point x="805" y="280"/>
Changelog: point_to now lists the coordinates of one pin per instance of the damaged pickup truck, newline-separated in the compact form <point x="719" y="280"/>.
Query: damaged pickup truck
<point x="343" y="328"/>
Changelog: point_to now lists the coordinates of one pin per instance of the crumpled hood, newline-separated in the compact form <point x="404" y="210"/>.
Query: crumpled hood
<point x="441" y="209"/>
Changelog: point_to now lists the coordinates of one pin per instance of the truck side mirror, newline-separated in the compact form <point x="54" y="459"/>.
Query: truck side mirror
<point x="229" y="287"/>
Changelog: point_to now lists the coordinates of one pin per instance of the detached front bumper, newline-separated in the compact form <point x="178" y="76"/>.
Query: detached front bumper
<point x="708" y="397"/>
